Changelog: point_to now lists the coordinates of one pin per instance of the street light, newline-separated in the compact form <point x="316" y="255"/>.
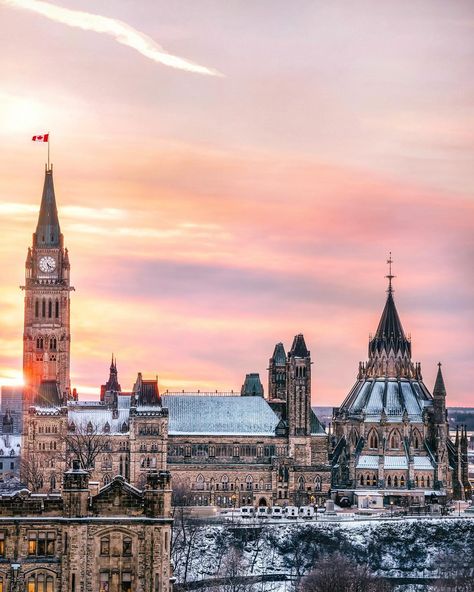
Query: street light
<point x="391" y="509"/>
<point x="233" y="498"/>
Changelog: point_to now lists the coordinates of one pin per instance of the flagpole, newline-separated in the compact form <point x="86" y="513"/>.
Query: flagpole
<point x="48" y="151"/>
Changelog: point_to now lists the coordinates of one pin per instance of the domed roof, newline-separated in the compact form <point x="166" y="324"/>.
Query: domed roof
<point x="389" y="397"/>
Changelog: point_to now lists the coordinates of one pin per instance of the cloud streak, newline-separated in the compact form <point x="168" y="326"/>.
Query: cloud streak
<point x="120" y="31"/>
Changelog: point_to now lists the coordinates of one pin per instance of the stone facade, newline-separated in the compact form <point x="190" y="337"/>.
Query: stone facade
<point x="116" y="540"/>
<point x="391" y="435"/>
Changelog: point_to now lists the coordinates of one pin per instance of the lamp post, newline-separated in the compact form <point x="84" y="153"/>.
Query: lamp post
<point x="391" y="509"/>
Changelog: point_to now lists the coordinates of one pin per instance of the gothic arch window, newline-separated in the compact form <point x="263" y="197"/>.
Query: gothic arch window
<point x="427" y="481"/>
<point x="50" y="309"/>
<point x="52" y="482"/>
<point x="225" y="482"/>
<point x="36" y="308"/>
<point x="200" y="484"/>
<point x="395" y="481"/>
<point x="107" y="428"/>
<point x="107" y="479"/>
<point x="317" y="483"/>
<point x="43" y="308"/>
<point x="90" y="428"/>
<point x="395" y="440"/>
<point x="39" y="343"/>
<point x="416" y="481"/>
<point x="374" y="480"/>
<point x="362" y="480"/>
<point x="301" y="483"/>
<point x="249" y="482"/>
<point x="373" y="439"/>
<point x="56" y="309"/>
<point x="124" y="427"/>
<point x="52" y="344"/>
<point x="389" y="481"/>
<point x="402" y="481"/>
<point x="422" y="481"/>
<point x="417" y="439"/>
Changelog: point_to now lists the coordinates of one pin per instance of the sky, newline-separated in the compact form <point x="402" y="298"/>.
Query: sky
<point x="230" y="174"/>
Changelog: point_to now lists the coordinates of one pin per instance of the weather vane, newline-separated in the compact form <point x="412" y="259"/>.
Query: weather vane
<point x="390" y="276"/>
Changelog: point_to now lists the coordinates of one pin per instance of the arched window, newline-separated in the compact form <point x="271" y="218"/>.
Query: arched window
<point x="427" y="481"/>
<point x="40" y="582"/>
<point x="249" y="482"/>
<point x="225" y="482"/>
<point x="127" y="546"/>
<point x="301" y="483"/>
<point x="39" y="343"/>
<point x="395" y="481"/>
<point x="52" y="482"/>
<point x="52" y="344"/>
<point x="389" y="481"/>
<point x="50" y="309"/>
<point x="362" y="479"/>
<point x="107" y="479"/>
<point x="200" y="484"/>
<point x="317" y="483"/>
<point x="107" y="427"/>
<point x="422" y="481"/>
<point x="402" y="481"/>
<point x="105" y="545"/>
<point x="395" y="440"/>
<point x="36" y="308"/>
<point x="416" y="481"/>
<point x="56" y="309"/>
<point x="374" y="480"/>
<point x="90" y="428"/>
<point x="43" y="308"/>
<point x="373" y="439"/>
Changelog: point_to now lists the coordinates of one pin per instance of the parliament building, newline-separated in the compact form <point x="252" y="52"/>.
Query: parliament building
<point x="390" y="436"/>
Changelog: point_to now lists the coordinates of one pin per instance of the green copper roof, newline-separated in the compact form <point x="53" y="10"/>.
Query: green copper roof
<point x="48" y="232"/>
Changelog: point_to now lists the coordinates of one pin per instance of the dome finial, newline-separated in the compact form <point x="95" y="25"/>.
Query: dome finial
<point x="390" y="276"/>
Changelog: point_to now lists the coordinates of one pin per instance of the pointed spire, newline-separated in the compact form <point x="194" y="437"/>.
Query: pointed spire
<point x="439" y="389"/>
<point x="48" y="232"/>
<point x="299" y="349"/>
<point x="279" y="355"/>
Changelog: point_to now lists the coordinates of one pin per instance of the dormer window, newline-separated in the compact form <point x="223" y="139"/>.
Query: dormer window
<point x="107" y="428"/>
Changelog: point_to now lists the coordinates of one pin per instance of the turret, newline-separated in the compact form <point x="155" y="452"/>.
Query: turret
<point x="76" y="491"/>
<point x="299" y="388"/>
<point x="439" y="398"/>
<point x="252" y="386"/>
<point x="277" y="377"/>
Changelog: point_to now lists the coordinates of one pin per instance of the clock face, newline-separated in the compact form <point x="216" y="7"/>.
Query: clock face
<point x="47" y="264"/>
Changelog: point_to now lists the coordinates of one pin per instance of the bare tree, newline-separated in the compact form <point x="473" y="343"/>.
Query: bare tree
<point x="456" y="571"/>
<point x="85" y="442"/>
<point x="233" y="572"/>
<point x="337" y="573"/>
<point x="31" y="473"/>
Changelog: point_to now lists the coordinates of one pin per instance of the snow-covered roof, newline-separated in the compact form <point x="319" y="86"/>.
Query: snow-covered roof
<point x="99" y="417"/>
<point x="10" y="444"/>
<point x="390" y="396"/>
<point x="367" y="461"/>
<point x="211" y="415"/>
<point x="422" y="463"/>
<point x="395" y="462"/>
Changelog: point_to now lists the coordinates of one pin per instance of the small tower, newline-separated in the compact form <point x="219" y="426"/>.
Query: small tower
<point x="252" y="386"/>
<point x="277" y="377"/>
<point x="299" y="388"/>
<point x="76" y="491"/>
<point x="439" y="398"/>
<point x="112" y="384"/>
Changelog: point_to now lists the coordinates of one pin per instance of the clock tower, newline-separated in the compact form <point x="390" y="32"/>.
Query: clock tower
<point x="46" y="335"/>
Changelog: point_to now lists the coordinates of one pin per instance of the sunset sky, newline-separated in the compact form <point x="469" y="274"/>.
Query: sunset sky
<point x="231" y="173"/>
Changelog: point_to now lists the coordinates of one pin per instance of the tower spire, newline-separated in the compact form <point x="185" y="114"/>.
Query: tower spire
<point x="48" y="231"/>
<point x="390" y="276"/>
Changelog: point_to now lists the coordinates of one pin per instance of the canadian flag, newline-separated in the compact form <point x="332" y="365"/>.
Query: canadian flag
<point x="43" y="138"/>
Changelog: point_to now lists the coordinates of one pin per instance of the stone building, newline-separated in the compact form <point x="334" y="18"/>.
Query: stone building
<point x="391" y="436"/>
<point x="114" y="540"/>
<point x="230" y="450"/>
<point x="225" y="448"/>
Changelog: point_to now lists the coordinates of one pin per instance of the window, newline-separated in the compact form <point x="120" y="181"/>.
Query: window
<point x="56" y="310"/>
<point x="301" y="483"/>
<point x="373" y="440"/>
<point x="2" y="545"/>
<point x="36" y="308"/>
<point x="105" y="546"/>
<point x="389" y="481"/>
<point x="249" y="482"/>
<point x="126" y="584"/>
<point x="41" y="543"/>
<point x="40" y="583"/>
<point x="50" y="309"/>
<point x="104" y="581"/>
<point x="402" y="481"/>
<point x="52" y="344"/>
<point x="127" y="546"/>
<point x="362" y="479"/>
<point x="318" y="484"/>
